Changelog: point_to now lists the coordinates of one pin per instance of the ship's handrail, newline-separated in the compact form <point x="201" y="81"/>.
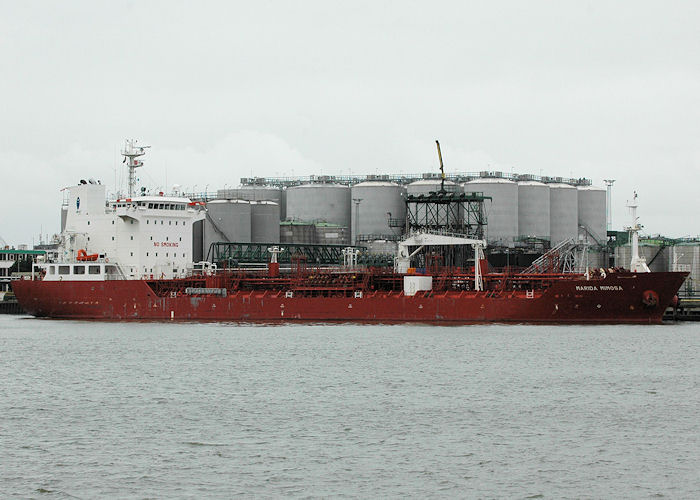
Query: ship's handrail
<point x="441" y="233"/>
<point x="555" y="252"/>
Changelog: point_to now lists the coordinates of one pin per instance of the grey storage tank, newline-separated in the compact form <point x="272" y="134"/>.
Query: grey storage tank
<point x="533" y="210"/>
<point x="686" y="257"/>
<point x="319" y="202"/>
<point x="226" y="221"/>
<point x="501" y="211"/>
<point x="378" y="199"/>
<point x="264" y="222"/>
<point x="255" y="193"/>
<point x="297" y="232"/>
<point x="331" y="234"/>
<point x="656" y="255"/>
<point x="591" y="213"/>
<point x="563" y="215"/>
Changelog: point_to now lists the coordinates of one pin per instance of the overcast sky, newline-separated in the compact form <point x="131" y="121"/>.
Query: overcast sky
<point x="223" y="90"/>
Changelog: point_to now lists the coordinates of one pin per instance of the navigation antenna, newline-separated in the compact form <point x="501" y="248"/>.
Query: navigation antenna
<point x="442" y="168"/>
<point x="131" y="153"/>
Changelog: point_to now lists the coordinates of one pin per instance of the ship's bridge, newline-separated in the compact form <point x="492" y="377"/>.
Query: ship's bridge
<point x="153" y="205"/>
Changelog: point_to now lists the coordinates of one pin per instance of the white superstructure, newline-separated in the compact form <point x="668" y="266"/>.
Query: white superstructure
<point x="148" y="236"/>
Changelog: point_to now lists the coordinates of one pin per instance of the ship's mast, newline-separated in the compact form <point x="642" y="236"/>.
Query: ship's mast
<point x="130" y="153"/>
<point x="637" y="264"/>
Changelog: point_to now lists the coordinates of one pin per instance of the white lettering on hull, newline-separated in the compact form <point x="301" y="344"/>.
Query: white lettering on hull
<point x="603" y="288"/>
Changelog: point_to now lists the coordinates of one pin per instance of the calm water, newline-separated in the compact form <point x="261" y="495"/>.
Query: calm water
<point x="147" y="410"/>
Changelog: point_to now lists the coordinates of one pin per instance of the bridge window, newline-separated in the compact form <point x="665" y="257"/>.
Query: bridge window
<point x="64" y="270"/>
<point x="94" y="270"/>
<point x="79" y="270"/>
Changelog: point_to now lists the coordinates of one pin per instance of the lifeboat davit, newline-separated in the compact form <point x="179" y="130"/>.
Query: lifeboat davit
<point x="83" y="256"/>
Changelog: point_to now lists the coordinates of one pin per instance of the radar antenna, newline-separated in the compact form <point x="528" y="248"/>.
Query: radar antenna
<point x="130" y="153"/>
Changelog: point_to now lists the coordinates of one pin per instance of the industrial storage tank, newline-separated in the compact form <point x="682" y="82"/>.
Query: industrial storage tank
<point x="591" y="212"/>
<point x="226" y="221"/>
<point x="563" y="212"/>
<point x="297" y="232"/>
<point x="378" y="200"/>
<point x="331" y="234"/>
<point x="656" y="254"/>
<point x="255" y="193"/>
<point x="319" y="202"/>
<point x="533" y="210"/>
<point x="264" y="222"/>
<point x="501" y="211"/>
<point x="685" y="256"/>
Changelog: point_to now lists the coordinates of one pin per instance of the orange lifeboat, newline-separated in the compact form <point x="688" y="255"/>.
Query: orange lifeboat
<point x="83" y="256"/>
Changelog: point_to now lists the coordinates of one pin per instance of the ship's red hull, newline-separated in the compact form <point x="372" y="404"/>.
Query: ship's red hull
<point x="618" y="298"/>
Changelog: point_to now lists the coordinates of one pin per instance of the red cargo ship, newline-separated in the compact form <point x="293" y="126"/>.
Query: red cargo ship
<point x="361" y="295"/>
<point x="131" y="259"/>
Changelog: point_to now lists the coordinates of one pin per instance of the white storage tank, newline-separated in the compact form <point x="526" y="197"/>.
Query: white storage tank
<point x="563" y="212"/>
<point x="319" y="202"/>
<point x="264" y="222"/>
<point x="591" y="212"/>
<point x="533" y="210"/>
<point x="226" y="221"/>
<point x="501" y="211"/>
<point x="378" y="200"/>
